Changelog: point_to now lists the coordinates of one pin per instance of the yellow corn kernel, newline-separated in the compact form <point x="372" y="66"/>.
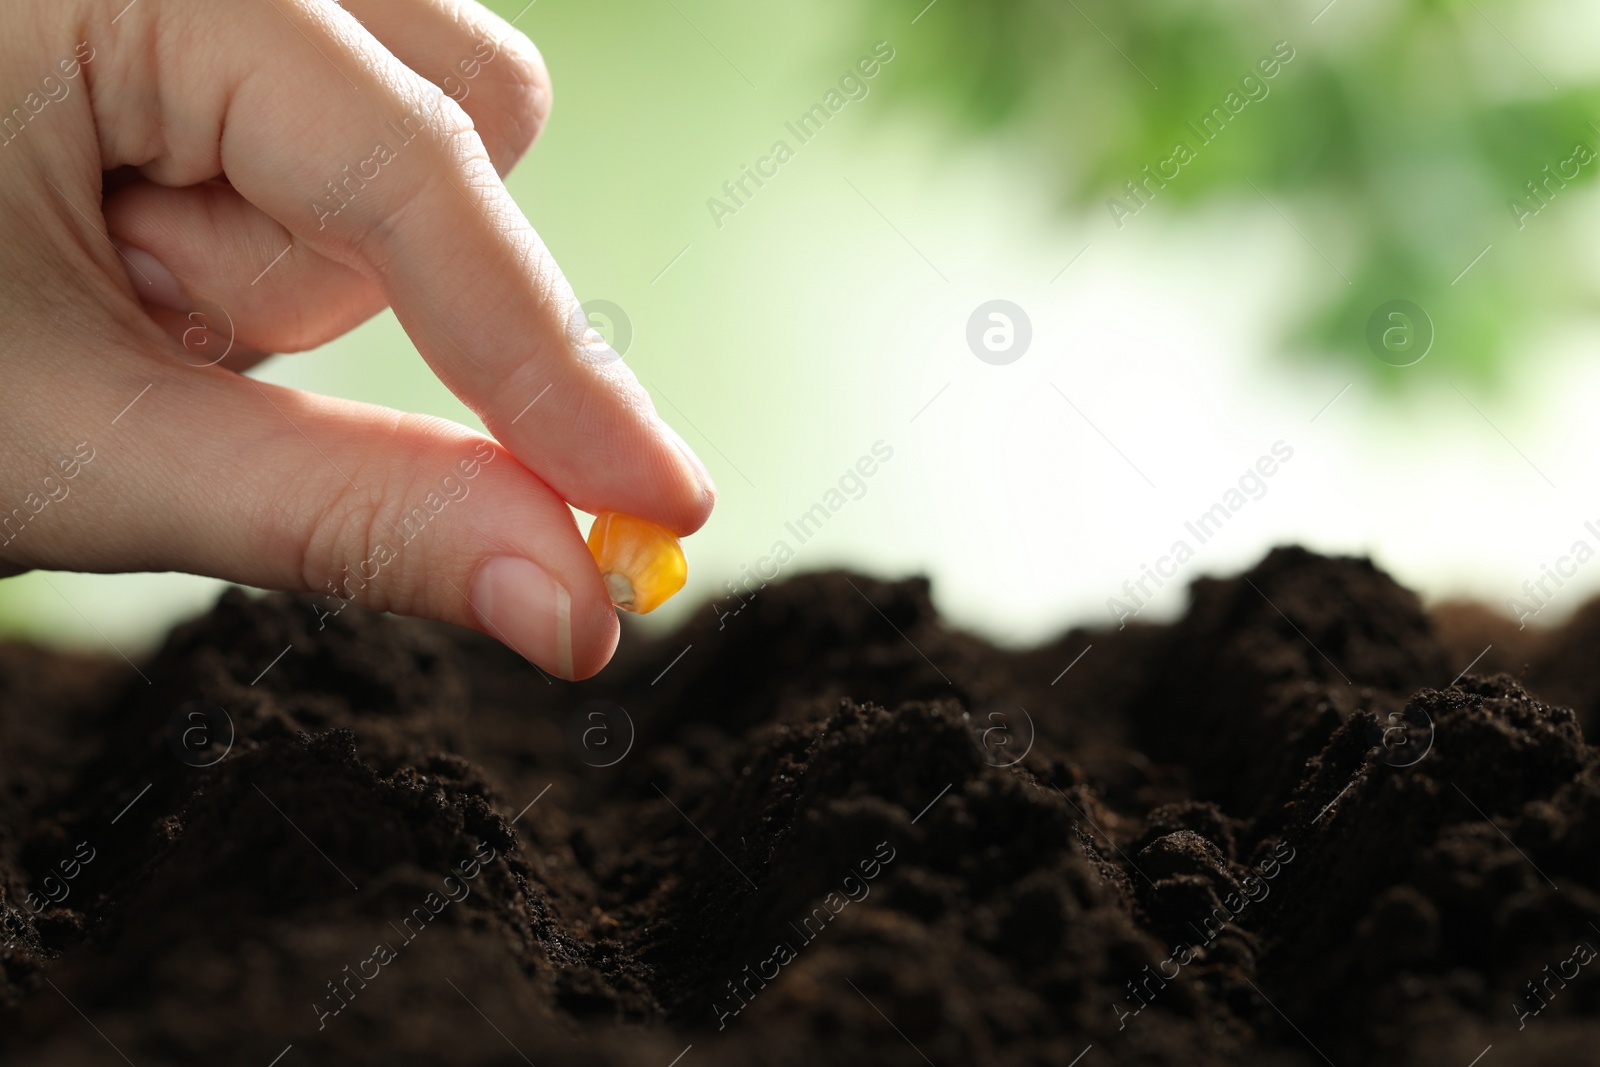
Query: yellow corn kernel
<point x="642" y="563"/>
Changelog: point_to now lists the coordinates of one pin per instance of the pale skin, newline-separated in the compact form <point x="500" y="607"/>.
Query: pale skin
<point x="157" y="180"/>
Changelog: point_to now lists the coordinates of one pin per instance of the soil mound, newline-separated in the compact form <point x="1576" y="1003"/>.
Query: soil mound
<point x="828" y="829"/>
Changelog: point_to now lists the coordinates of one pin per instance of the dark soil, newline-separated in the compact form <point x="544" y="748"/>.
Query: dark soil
<point x="1272" y="833"/>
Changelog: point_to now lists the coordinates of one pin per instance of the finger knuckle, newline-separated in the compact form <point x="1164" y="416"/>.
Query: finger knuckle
<point x="452" y="142"/>
<point x="349" y="550"/>
<point x="388" y="538"/>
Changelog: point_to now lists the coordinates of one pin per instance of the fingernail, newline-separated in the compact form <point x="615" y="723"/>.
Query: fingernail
<point x="519" y="602"/>
<point x="698" y="469"/>
<point x="151" y="279"/>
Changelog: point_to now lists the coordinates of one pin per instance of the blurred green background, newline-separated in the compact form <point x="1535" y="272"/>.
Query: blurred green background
<point x="1173" y="341"/>
<point x="1407" y="136"/>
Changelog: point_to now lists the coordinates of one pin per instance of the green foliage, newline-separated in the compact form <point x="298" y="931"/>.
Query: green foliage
<point x="1397" y="138"/>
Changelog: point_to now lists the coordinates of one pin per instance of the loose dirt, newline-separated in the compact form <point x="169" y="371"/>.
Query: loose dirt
<point x="1286" y="830"/>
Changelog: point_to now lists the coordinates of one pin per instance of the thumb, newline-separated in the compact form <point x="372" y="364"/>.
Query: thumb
<point x="217" y="474"/>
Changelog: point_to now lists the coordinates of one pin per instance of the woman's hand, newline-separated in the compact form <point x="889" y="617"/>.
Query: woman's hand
<point x="186" y="185"/>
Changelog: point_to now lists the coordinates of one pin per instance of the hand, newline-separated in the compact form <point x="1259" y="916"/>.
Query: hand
<point x="181" y="179"/>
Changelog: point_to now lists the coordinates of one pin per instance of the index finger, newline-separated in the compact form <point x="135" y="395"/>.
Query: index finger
<point x="370" y="164"/>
